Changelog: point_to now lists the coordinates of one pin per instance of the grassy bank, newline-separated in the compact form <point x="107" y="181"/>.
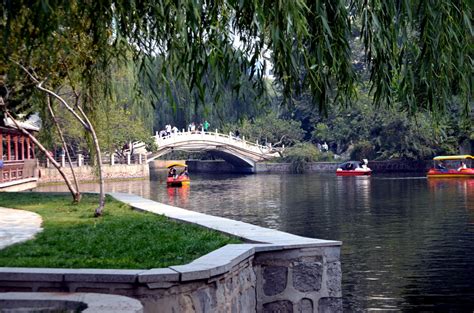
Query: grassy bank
<point x="122" y="238"/>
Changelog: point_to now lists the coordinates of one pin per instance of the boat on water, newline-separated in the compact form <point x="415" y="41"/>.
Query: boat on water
<point x="452" y="166"/>
<point x="354" y="168"/>
<point x="177" y="180"/>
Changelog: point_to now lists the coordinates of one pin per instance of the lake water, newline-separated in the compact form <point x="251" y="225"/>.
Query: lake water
<point x="408" y="242"/>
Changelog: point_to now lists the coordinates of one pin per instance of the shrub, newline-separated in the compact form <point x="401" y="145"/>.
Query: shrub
<point x="302" y="153"/>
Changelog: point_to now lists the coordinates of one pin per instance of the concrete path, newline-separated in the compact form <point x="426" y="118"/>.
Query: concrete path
<point x="17" y="226"/>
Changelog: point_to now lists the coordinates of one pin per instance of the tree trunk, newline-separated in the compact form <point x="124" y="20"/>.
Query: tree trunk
<point x="99" y="210"/>
<point x="85" y="122"/>
<point x="66" y="150"/>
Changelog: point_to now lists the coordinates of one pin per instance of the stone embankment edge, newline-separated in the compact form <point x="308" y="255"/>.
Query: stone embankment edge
<point x="214" y="263"/>
<point x="41" y="301"/>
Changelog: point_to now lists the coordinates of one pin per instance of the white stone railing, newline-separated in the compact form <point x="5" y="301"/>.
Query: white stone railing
<point x="212" y="138"/>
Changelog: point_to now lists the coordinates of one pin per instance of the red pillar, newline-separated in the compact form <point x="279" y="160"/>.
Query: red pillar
<point x="9" y="156"/>
<point x="28" y="148"/>
<point x="1" y="146"/>
<point x="15" y="143"/>
<point x="22" y="142"/>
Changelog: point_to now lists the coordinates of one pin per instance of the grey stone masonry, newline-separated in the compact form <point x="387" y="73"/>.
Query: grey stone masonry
<point x="272" y="271"/>
<point x="16" y="302"/>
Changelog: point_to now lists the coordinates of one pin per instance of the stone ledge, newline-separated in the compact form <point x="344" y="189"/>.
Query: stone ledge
<point x="18" y="182"/>
<point x="248" y="232"/>
<point x="158" y="275"/>
<point x="215" y="263"/>
<point x="59" y="302"/>
<point x="223" y="259"/>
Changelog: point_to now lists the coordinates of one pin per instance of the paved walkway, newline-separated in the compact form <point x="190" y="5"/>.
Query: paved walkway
<point x="17" y="226"/>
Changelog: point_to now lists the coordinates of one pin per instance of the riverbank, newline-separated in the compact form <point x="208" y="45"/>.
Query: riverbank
<point x="389" y="166"/>
<point x="88" y="173"/>
<point x="271" y="271"/>
<point x="122" y="238"/>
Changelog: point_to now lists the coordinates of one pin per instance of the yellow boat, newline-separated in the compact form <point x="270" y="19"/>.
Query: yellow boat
<point x="453" y="166"/>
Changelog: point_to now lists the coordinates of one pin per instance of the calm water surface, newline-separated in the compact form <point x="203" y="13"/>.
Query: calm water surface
<point x="408" y="242"/>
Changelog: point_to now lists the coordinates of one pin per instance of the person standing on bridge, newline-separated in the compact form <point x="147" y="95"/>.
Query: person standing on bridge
<point x="206" y="125"/>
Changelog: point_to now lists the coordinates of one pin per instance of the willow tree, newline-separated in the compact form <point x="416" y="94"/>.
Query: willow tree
<point x="419" y="52"/>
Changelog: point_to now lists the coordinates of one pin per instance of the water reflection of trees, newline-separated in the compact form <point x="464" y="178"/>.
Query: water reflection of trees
<point x="443" y="281"/>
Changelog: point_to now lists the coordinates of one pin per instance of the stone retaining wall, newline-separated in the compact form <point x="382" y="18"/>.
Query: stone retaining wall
<point x="49" y="302"/>
<point x="273" y="272"/>
<point x="391" y="166"/>
<point x="87" y="173"/>
<point x="211" y="166"/>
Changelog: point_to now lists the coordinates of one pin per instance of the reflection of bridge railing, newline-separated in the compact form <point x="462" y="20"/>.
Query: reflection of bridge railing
<point x="202" y="141"/>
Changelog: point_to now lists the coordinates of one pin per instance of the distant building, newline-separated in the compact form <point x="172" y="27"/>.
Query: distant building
<point x="18" y="164"/>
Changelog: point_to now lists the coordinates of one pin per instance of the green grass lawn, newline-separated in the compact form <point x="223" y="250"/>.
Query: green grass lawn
<point x="121" y="238"/>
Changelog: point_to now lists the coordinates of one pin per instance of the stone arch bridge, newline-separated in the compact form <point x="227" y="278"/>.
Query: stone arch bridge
<point x="237" y="151"/>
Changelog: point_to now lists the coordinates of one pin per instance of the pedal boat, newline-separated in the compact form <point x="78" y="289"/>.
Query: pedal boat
<point x="453" y="166"/>
<point x="353" y="168"/>
<point x="177" y="181"/>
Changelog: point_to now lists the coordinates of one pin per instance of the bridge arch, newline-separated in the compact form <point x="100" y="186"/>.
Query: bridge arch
<point x="238" y="152"/>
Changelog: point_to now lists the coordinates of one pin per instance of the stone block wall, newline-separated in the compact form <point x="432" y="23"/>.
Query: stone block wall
<point x="394" y="166"/>
<point x="212" y="166"/>
<point x="233" y="291"/>
<point x="389" y="166"/>
<point x="299" y="280"/>
<point x="87" y="173"/>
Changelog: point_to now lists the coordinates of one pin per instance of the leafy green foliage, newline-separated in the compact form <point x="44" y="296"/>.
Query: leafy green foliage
<point x="418" y="51"/>
<point x="302" y="153"/>
<point x="122" y="238"/>
<point x="268" y="128"/>
<point x="365" y="132"/>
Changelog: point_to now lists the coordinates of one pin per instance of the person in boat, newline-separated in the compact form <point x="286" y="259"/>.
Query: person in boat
<point x="441" y="166"/>
<point x="184" y="173"/>
<point x="172" y="172"/>
<point x="462" y="167"/>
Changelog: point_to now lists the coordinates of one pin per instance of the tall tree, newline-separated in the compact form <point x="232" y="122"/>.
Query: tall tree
<point x="418" y="50"/>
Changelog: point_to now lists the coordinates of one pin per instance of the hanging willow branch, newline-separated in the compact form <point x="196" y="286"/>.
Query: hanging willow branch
<point x="419" y="52"/>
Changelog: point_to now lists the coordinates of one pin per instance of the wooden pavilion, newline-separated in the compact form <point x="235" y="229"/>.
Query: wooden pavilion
<point x="18" y="165"/>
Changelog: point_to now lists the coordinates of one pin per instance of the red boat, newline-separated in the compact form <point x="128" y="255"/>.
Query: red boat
<point x="354" y="168"/>
<point x="453" y="166"/>
<point x="177" y="180"/>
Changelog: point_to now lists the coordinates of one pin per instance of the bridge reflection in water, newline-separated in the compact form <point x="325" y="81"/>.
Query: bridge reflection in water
<point x="408" y="242"/>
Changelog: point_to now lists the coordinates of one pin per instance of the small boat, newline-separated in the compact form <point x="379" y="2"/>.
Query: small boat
<point x="177" y="180"/>
<point x="452" y="166"/>
<point x="354" y="168"/>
